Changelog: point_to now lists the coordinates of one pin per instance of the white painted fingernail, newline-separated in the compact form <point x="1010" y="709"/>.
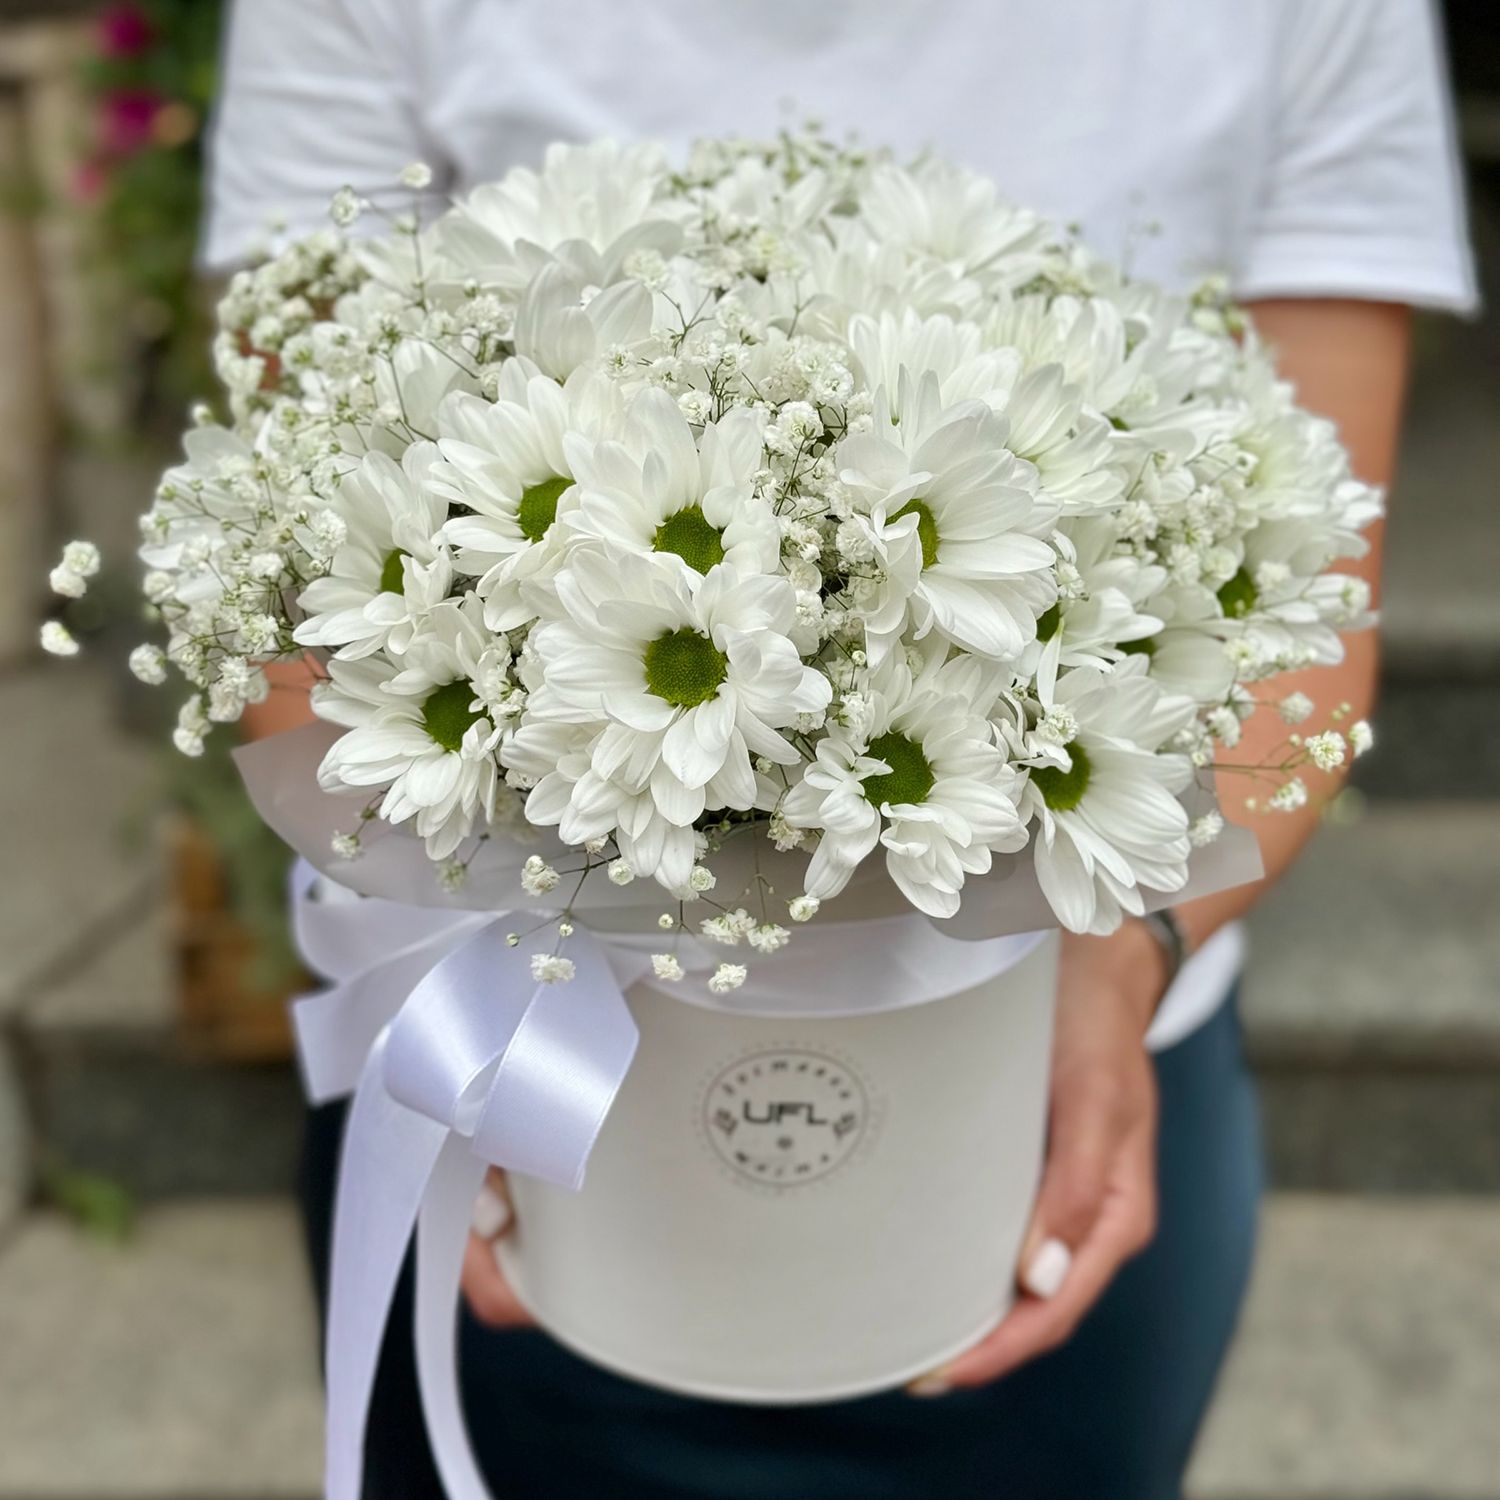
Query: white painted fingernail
<point x="491" y="1213"/>
<point x="935" y="1384"/>
<point x="1048" y="1269"/>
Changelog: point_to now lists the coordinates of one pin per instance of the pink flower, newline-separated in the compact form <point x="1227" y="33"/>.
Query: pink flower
<point x="125" y="30"/>
<point x="126" y="118"/>
<point x="89" y="180"/>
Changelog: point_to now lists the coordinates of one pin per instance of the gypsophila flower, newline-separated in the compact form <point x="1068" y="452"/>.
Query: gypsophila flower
<point x="1361" y="738"/>
<point x="538" y="877"/>
<point x="1295" y="708"/>
<point x="552" y="968"/>
<point x="63" y="580"/>
<point x="1205" y="829"/>
<point x="1289" y="796"/>
<point x="666" y="921"/>
<point x="453" y="875"/>
<point x="769" y="938"/>
<point x="1326" y="750"/>
<point x="620" y="872"/>
<point x="81" y="558"/>
<point x="346" y="207"/>
<point x="149" y="664"/>
<point x="1224" y="724"/>
<point x="702" y="879"/>
<point x="416" y="175"/>
<point x="346" y="845"/>
<point x="58" y="640"/>
<point x="803" y="908"/>
<point x="721" y="929"/>
<point x="727" y="977"/>
<point x="666" y="966"/>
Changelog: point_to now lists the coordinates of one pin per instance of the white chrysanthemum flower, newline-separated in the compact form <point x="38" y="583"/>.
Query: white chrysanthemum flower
<point x="682" y="683"/>
<point x="956" y="217"/>
<point x="391" y="570"/>
<point x="957" y="525"/>
<point x="1108" y="819"/>
<point x="953" y="351"/>
<point x="504" y="464"/>
<point x="565" y="323"/>
<point x="601" y="198"/>
<point x="923" y="777"/>
<point x="420" y="735"/>
<point x="651" y="487"/>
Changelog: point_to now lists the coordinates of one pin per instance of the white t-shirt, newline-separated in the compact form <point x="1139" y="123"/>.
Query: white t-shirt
<point x="1303" y="147"/>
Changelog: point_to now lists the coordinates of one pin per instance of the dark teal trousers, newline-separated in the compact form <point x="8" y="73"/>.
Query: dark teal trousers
<point x="1110" y="1416"/>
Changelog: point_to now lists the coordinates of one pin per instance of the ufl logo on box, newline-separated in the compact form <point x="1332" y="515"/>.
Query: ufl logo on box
<point x="785" y="1116"/>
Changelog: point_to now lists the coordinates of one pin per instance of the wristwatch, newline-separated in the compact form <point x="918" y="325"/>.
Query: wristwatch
<point x="1164" y="926"/>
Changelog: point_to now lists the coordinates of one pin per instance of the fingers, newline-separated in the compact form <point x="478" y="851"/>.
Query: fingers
<point x="492" y="1210"/>
<point x="484" y="1285"/>
<point x="1057" y="1296"/>
<point x="1082" y="1142"/>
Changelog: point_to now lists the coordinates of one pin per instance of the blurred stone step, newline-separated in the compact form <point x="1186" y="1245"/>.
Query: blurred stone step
<point x="1437" y="738"/>
<point x="180" y="1365"/>
<point x="1365" y="1367"/>
<point x="1364" y="1370"/>
<point x="1372" y="1005"/>
<point x="1441" y="615"/>
<point x="74" y="803"/>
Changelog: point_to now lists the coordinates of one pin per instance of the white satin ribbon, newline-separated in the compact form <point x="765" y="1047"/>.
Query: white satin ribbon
<point x="457" y="1057"/>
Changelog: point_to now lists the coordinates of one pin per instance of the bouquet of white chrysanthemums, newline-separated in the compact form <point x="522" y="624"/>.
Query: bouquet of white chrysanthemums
<point x="795" y="492"/>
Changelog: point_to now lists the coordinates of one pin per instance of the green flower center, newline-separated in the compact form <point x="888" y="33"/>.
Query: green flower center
<point x="910" y="777"/>
<point x="689" y="534"/>
<point x="1239" y="596"/>
<point x="684" y="667"/>
<point x="446" y="714"/>
<point x="927" y="531"/>
<point x="1048" y="623"/>
<point x="1061" y="790"/>
<point x="538" y="508"/>
<point x="392" y="579"/>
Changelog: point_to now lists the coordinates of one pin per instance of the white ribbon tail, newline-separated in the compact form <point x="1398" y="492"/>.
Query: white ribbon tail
<point x="481" y="1064"/>
<point x="387" y="1159"/>
<point x="442" y="1235"/>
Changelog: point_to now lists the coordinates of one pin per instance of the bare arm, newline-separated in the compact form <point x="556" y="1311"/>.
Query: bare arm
<point x="287" y="704"/>
<point x="1348" y="361"/>
<point x="1097" y="1204"/>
